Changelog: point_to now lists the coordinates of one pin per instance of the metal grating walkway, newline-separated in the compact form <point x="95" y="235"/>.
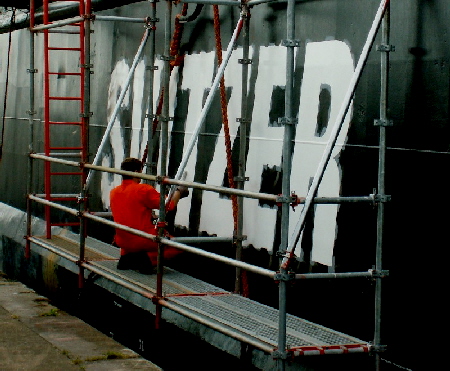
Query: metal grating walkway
<point x="239" y="317"/>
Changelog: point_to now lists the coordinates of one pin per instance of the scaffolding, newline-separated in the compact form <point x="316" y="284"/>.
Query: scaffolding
<point x="283" y="352"/>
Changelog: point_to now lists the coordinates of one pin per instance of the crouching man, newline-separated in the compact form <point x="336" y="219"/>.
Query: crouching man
<point x="132" y="204"/>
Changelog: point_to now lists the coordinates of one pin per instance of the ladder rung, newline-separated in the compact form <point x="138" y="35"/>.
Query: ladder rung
<point x="64" y="98"/>
<point x="63" y="199"/>
<point x="53" y="196"/>
<point x="64" y="123"/>
<point x="65" y="73"/>
<point x="68" y="173"/>
<point x="66" y="32"/>
<point x="60" y="48"/>
<point x="65" y="224"/>
<point x="61" y="154"/>
<point x="65" y="148"/>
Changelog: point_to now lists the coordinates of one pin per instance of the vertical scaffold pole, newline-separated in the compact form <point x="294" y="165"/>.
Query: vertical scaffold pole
<point x="289" y="131"/>
<point x="31" y="114"/>
<point x="87" y="83"/>
<point x="243" y="128"/>
<point x="151" y="78"/>
<point x="164" y="150"/>
<point x="47" y="166"/>
<point x="385" y="48"/>
<point x="85" y="40"/>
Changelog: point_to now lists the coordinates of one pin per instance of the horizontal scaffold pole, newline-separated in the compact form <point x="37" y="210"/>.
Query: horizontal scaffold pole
<point x="64" y="22"/>
<point x="112" y="18"/>
<point x="45" y="202"/>
<point x="213" y="2"/>
<point x="206" y="187"/>
<point x="334" y="133"/>
<point x="307" y="276"/>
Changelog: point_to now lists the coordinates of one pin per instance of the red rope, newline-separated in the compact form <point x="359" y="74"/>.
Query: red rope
<point x="226" y="129"/>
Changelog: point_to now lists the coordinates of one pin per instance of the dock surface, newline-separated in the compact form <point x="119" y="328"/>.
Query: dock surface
<point x="35" y="335"/>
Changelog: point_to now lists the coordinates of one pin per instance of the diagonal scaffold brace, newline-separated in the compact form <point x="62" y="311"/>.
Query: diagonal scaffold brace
<point x="296" y="235"/>
<point x="112" y="119"/>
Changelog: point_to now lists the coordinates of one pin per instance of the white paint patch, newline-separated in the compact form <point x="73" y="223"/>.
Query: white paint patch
<point x="138" y="108"/>
<point x="266" y="144"/>
<point x="330" y="63"/>
<point x="197" y="77"/>
<point x="223" y="206"/>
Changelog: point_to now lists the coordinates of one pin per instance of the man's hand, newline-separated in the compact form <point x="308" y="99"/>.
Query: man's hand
<point x="184" y="191"/>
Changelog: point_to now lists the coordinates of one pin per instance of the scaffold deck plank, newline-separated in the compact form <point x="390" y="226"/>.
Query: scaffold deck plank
<point x="244" y="317"/>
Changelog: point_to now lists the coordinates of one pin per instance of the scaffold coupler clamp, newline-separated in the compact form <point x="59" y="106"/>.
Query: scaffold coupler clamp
<point x="150" y="23"/>
<point x="161" y="179"/>
<point x="292" y="200"/>
<point x="245" y="10"/>
<point x="278" y="354"/>
<point x="162" y="225"/>
<point x="239" y="238"/>
<point x="81" y="199"/>
<point x="90" y="17"/>
<point x="379" y="273"/>
<point x="295" y="200"/>
<point x="378" y="198"/>
<point x="80" y="262"/>
<point x="284" y="275"/>
<point x="156" y="299"/>
<point x="377" y="348"/>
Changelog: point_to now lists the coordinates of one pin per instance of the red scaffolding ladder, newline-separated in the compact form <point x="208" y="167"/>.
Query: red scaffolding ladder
<point x="79" y="149"/>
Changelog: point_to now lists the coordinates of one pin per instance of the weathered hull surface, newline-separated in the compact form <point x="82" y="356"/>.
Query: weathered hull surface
<point x="332" y="34"/>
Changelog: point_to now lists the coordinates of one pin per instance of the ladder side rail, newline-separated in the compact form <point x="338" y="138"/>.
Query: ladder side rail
<point x="31" y="114"/>
<point x="79" y="22"/>
<point x="47" y="145"/>
<point x="85" y="82"/>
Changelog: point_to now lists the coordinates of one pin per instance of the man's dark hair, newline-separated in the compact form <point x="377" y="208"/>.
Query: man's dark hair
<point x="131" y="164"/>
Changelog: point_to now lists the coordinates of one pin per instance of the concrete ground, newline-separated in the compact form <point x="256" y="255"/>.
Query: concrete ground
<point x="35" y="335"/>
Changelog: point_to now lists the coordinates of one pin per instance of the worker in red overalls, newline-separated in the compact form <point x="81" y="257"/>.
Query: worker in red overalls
<point x="132" y="204"/>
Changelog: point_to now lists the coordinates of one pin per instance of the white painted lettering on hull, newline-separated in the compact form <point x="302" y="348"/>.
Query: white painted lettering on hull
<point x="327" y="64"/>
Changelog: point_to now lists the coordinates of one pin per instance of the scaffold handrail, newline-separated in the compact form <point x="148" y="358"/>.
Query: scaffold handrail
<point x="206" y="187"/>
<point x="163" y="240"/>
